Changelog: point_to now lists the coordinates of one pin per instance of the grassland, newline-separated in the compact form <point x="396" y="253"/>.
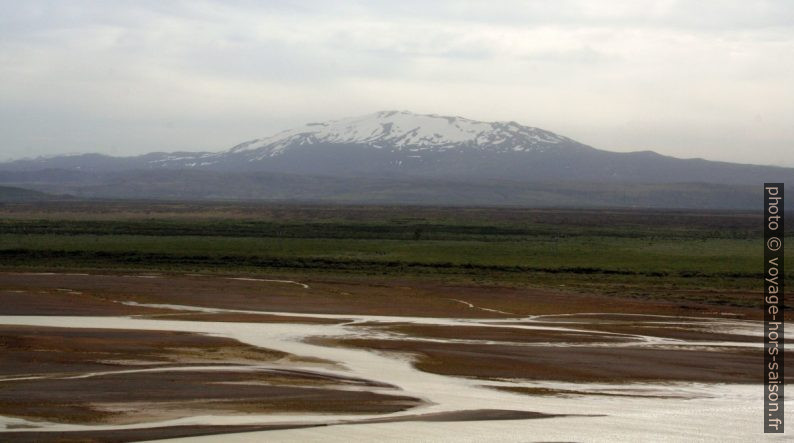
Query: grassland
<point x="707" y="256"/>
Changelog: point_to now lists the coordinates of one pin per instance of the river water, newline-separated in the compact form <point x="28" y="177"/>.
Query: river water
<point x="666" y="412"/>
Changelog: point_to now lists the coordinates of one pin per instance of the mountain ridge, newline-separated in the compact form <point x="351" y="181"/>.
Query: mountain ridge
<point x="399" y="130"/>
<point x="409" y="150"/>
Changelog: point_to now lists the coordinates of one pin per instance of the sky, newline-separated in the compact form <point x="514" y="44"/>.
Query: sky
<point x="709" y="79"/>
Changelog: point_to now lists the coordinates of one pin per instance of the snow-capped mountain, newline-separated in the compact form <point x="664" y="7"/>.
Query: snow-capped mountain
<point x="402" y="130"/>
<point x="421" y="158"/>
<point x="399" y="135"/>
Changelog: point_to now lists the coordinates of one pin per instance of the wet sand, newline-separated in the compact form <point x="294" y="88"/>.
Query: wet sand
<point x="138" y="434"/>
<point x="168" y="432"/>
<point x="91" y="375"/>
<point x="100" y="292"/>
<point x="572" y="364"/>
<point x="113" y="358"/>
<point x="40" y="351"/>
<point x="493" y="333"/>
<point x="242" y="318"/>
<point x="128" y="398"/>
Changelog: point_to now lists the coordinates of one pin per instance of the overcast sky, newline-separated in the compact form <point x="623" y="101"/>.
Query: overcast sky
<point x="711" y="79"/>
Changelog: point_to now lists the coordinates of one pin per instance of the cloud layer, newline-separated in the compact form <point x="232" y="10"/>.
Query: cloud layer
<point x="693" y="79"/>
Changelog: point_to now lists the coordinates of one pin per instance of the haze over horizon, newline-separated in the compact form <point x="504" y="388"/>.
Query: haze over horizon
<point x="707" y="79"/>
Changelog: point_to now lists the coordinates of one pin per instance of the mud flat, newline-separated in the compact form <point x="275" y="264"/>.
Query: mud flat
<point x="149" y="364"/>
<point x="82" y="375"/>
<point x="99" y="294"/>
<point x="573" y="364"/>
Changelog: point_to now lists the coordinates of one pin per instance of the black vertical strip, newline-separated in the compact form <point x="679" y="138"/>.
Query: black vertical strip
<point x="773" y="308"/>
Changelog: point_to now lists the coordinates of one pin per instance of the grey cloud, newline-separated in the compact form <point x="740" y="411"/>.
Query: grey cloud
<point x="137" y="76"/>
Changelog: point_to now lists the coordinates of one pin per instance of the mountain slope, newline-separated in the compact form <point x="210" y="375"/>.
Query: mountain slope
<point x="397" y="144"/>
<point x="436" y="157"/>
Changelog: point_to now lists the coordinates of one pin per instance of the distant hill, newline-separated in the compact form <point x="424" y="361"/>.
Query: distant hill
<point x="14" y="194"/>
<point x="402" y="157"/>
<point x="209" y="185"/>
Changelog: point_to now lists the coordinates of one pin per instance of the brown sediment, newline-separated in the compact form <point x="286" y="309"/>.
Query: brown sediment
<point x="673" y="331"/>
<point x="503" y="334"/>
<point x="227" y="293"/>
<point x="572" y="364"/>
<point x="59" y="352"/>
<point x="48" y="300"/>
<point x="688" y="329"/>
<point x="153" y="396"/>
<point x="34" y="350"/>
<point x="467" y="415"/>
<point x="61" y="362"/>
<point x="549" y="392"/>
<point x="19" y="298"/>
<point x="362" y="296"/>
<point x="139" y="434"/>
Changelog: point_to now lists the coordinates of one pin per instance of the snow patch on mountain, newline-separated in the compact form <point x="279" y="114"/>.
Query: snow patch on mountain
<point x="401" y="130"/>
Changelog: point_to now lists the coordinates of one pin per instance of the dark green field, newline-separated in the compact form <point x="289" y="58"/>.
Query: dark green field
<point x="707" y="256"/>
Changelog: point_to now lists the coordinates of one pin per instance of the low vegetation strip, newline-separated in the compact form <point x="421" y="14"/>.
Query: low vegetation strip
<point x="592" y="252"/>
<point x="21" y="256"/>
<point x="405" y="223"/>
<point x="616" y="252"/>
